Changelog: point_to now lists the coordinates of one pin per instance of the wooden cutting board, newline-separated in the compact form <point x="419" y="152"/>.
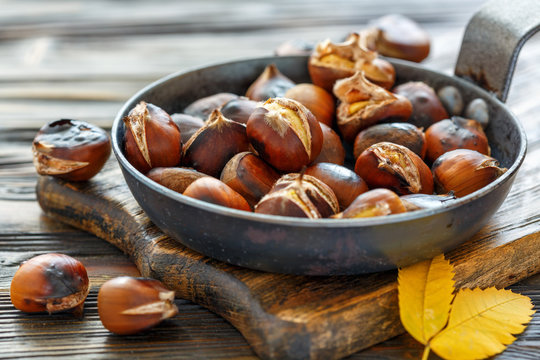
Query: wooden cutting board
<point x="281" y="316"/>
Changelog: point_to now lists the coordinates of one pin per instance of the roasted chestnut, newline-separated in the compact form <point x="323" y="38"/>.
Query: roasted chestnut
<point x="249" y="176"/>
<point x="128" y="305"/>
<point x="51" y="283"/>
<point x="209" y="149"/>
<point x="345" y="183"/>
<point x="397" y="36"/>
<point x="376" y="202"/>
<point x="319" y="101"/>
<point x="299" y="195"/>
<point x="394" y="167"/>
<point x="70" y="149"/>
<point x="239" y="109"/>
<point x="152" y="139"/>
<point x="285" y="134"/>
<point x="455" y="133"/>
<point x="427" y="109"/>
<point x="203" y="107"/>
<point x="175" y="178"/>
<point x="332" y="149"/>
<point x="399" y="133"/>
<point x="364" y="104"/>
<point x="212" y="190"/>
<point x="271" y="83"/>
<point x="187" y="124"/>
<point x="464" y="171"/>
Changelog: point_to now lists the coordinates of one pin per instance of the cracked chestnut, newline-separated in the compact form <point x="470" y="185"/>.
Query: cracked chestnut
<point x="128" y="305"/>
<point x="51" y="283"/>
<point x="70" y="149"/>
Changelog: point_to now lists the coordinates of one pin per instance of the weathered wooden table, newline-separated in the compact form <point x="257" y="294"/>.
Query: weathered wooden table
<point x="75" y="59"/>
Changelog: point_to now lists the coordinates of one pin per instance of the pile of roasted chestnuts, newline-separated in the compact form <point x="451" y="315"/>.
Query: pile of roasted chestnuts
<point x="350" y="144"/>
<point x="58" y="283"/>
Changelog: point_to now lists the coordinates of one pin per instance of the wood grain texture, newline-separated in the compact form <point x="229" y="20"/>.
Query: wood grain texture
<point x="281" y="316"/>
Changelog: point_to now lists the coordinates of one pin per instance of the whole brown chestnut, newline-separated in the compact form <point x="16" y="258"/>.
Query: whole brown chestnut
<point x="152" y="139"/>
<point x="51" y="283"/>
<point x="332" y="149"/>
<point x="464" y="171"/>
<point x="203" y="107"/>
<point x="399" y="133"/>
<point x="239" y="109"/>
<point x="394" y="167"/>
<point x="376" y="202"/>
<point x="214" y="191"/>
<point x="299" y="195"/>
<point x="70" y="149"/>
<point x="175" y="178"/>
<point x="427" y="109"/>
<point x="249" y="176"/>
<point x="270" y="84"/>
<point x="363" y="104"/>
<point x="187" y="124"/>
<point x="128" y="305"/>
<point x="209" y="149"/>
<point x="345" y="183"/>
<point x="319" y="101"/>
<point x="285" y="134"/>
<point x="455" y="133"/>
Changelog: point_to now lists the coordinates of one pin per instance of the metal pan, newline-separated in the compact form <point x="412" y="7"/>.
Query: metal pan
<point x="344" y="246"/>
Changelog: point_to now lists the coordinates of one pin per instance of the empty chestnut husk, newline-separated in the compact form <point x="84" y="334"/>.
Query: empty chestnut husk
<point x="299" y="195"/>
<point x="249" y="176"/>
<point x="319" y="101"/>
<point x="175" y="178"/>
<point x="152" y="139"/>
<point x="400" y="133"/>
<point x="394" y="167"/>
<point x="270" y="84"/>
<point x="128" y="305"/>
<point x="203" y="107"/>
<point x="70" y="149"/>
<point x="376" y="202"/>
<point x="209" y="149"/>
<point x="345" y="183"/>
<point x="285" y="134"/>
<point x="455" y="133"/>
<point x="214" y="191"/>
<point x="464" y="171"/>
<point x="51" y="283"/>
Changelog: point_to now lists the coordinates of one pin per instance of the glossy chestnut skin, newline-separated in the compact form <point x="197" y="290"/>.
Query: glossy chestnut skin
<point x="203" y="107"/>
<point x="187" y="124"/>
<point x="285" y="134"/>
<point x="152" y="139"/>
<point x="319" y="101"/>
<point x="399" y="133"/>
<point x="299" y="195"/>
<point x="345" y="183"/>
<point x="363" y="104"/>
<point x="455" y="133"/>
<point x="249" y="176"/>
<point x="209" y="149"/>
<point x="270" y="84"/>
<point x="427" y="109"/>
<point x="51" y="283"/>
<point x="397" y="36"/>
<point x="214" y="191"/>
<point x="332" y="148"/>
<point x="128" y="305"/>
<point x="394" y="167"/>
<point x="376" y="202"/>
<point x="464" y="171"/>
<point x="239" y="109"/>
<point x="175" y="178"/>
<point x="70" y="149"/>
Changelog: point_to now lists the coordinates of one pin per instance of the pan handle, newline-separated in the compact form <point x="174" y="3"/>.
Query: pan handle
<point x="492" y="41"/>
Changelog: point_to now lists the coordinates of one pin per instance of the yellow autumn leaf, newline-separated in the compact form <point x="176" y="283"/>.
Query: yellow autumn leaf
<point x="425" y="294"/>
<point x="481" y="323"/>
